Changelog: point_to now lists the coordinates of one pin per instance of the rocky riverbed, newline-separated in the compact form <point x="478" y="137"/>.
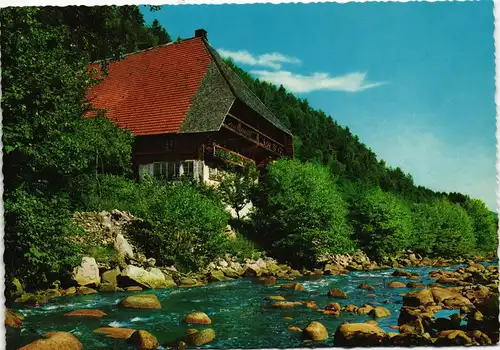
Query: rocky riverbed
<point x="422" y="305"/>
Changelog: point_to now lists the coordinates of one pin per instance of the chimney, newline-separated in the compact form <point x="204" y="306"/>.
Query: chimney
<point x="201" y="33"/>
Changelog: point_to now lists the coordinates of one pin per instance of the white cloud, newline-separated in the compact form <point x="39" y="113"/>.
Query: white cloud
<point x="466" y="167"/>
<point x="352" y="82"/>
<point x="271" y="60"/>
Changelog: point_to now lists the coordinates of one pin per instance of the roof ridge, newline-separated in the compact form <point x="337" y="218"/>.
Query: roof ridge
<point x="214" y="52"/>
<point x="145" y="50"/>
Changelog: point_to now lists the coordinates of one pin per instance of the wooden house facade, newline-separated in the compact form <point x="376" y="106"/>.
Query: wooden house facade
<point x="189" y="112"/>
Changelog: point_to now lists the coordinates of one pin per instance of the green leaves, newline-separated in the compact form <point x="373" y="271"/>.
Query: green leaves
<point x="300" y="211"/>
<point x="383" y="223"/>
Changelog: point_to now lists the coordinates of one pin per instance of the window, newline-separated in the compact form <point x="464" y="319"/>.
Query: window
<point x="174" y="170"/>
<point x="160" y="170"/>
<point x="169" y="145"/>
<point x="187" y="169"/>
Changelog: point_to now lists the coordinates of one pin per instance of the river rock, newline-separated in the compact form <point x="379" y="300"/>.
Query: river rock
<point x="410" y="340"/>
<point x="217" y="276"/>
<point x="401" y="273"/>
<point x="123" y="247"/>
<point x="379" y="311"/>
<point x="201" y="337"/>
<point x="13" y="319"/>
<point x="315" y="331"/>
<point x="449" y="297"/>
<point x="55" y="341"/>
<point x="268" y="281"/>
<point x="350" y="308"/>
<point x="110" y="276"/>
<point x="86" y="291"/>
<point x="453" y="338"/>
<point x="197" y="318"/>
<point x="337" y="293"/>
<point x="364" y="310"/>
<point x="69" y="291"/>
<point x="285" y="304"/>
<point x="133" y="289"/>
<point x="396" y="284"/>
<point x="365" y="286"/>
<point x="87" y="274"/>
<point x="141" y="301"/>
<point x="333" y="306"/>
<point x="480" y="337"/>
<point x="91" y="313"/>
<point x="275" y="298"/>
<point x="107" y="288"/>
<point x="295" y="329"/>
<point x="294" y="285"/>
<point x="189" y="282"/>
<point x="149" y="279"/>
<point x="143" y="340"/>
<point x="359" y="334"/>
<point x="419" y="297"/>
<point x="117" y="333"/>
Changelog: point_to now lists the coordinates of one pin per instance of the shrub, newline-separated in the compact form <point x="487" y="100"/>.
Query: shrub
<point x="36" y="234"/>
<point x="179" y="225"/>
<point x="296" y="204"/>
<point x="383" y="223"/>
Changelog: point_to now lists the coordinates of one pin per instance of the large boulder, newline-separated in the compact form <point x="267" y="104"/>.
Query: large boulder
<point x="116" y="333"/>
<point x="217" y="276"/>
<point x="110" y="276"/>
<point x="152" y="278"/>
<point x="379" y="311"/>
<point x="294" y="285"/>
<point x="337" y="293"/>
<point x="417" y="298"/>
<point x="449" y="297"/>
<point x="123" y="247"/>
<point x="55" y="341"/>
<point x="197" y="318"/>
<point x="359" y="334"/>
<point x="143" y="340"/>
<point x="200" y="338"/>
<point x="87" y="274"/>
<point x="315" y="331"/>
<point x="453" y="338"/>
<point x="141" y="301"/>
<point x="396" y="284"/>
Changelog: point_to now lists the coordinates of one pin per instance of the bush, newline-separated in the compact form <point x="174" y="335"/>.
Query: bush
<point x="36" y="236"/>
<point x="178" y="224"/>
<point x="299" y="211"/>
<point x="383" y="223"/>
<point x="242" y="248"/>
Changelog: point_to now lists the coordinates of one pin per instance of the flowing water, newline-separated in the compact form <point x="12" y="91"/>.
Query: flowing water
<point x="240" y="316"/>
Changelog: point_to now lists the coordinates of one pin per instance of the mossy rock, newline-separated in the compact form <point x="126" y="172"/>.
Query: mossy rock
<point x="201" y="337"/>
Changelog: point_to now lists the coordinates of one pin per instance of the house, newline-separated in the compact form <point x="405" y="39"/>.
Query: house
<point x="190" y="113"/>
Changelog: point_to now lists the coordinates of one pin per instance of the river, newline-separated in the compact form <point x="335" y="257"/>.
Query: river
<point x="240" y="316"/>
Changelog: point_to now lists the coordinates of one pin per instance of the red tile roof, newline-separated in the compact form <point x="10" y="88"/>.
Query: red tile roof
<point x="150" y="92"/>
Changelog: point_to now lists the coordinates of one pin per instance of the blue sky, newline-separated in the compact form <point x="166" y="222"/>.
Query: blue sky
<point x="415" y="81"/>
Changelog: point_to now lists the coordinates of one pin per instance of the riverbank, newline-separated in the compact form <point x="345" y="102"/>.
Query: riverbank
<point x="241" y="316"/>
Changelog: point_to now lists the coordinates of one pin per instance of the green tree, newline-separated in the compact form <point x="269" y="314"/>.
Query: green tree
<point x="484" y="225"/>
<point x="382" y="222"/>
<point x="236" y="187"/>
<point x="454" y="230"/>
<point x="425" y="218"/>
<point x="49" y="148"/>
<point x="298" y="208"/>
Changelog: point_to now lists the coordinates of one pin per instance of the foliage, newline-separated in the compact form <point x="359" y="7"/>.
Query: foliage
<point x="179" y="225"/>
<point x="50" y="150"/>
<point x="483" y="222"/>
<point x="296" y="204"/>
<point x="454" y="230"/>
<point x="424" y="220"/>
<point x="236" y="186"/>
<point x="242" y="248"/>
<point x="34" y="226"/>
<point x="383" y="223"/>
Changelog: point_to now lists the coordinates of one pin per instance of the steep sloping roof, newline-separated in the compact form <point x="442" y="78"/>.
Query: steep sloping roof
<point x="180" y="87"/>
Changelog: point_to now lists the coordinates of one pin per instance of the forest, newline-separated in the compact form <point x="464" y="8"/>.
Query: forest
<point x="334" y="197"/>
